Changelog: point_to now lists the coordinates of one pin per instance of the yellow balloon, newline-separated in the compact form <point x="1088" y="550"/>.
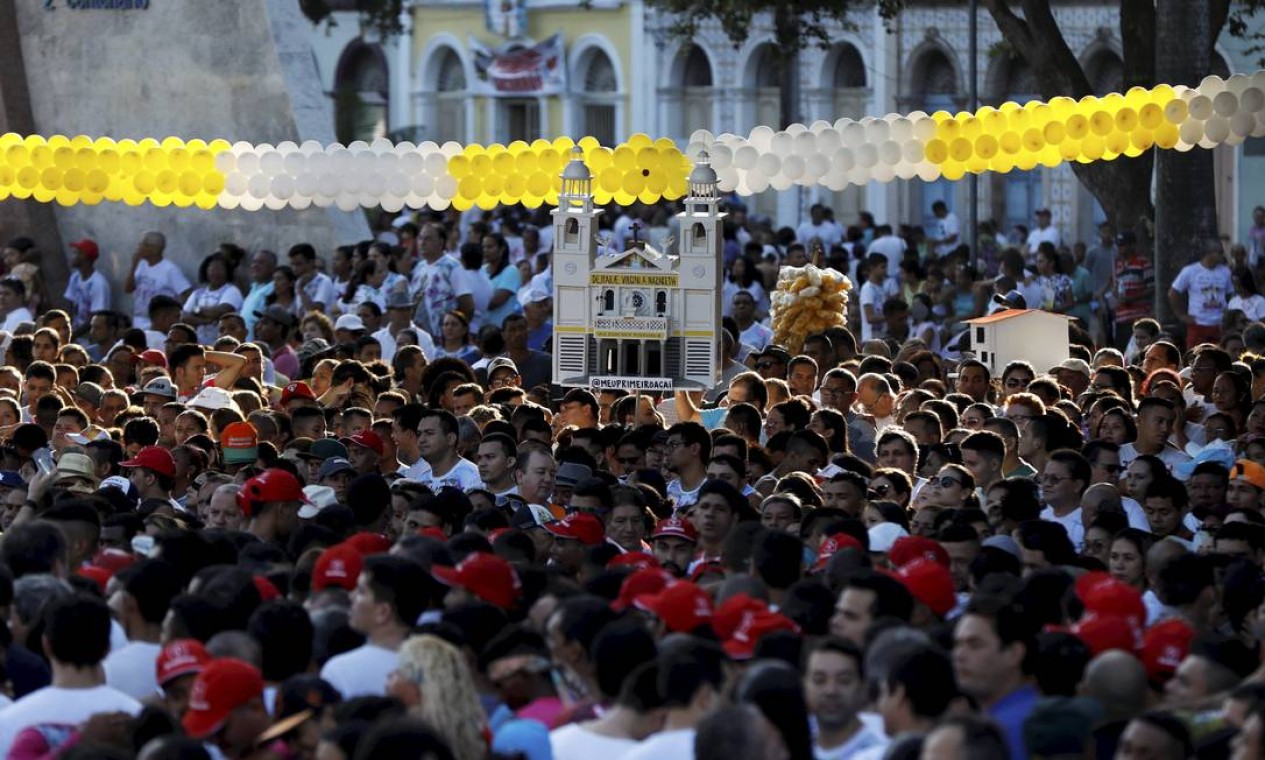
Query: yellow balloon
<point x="481" y="165"/>
<point x="155" y="160"/>
<point x="108" y="160"/>
<point x="1101" y="122"/>
<point x="504" y="163"/>
<point x="58" y="141"/>
<point x="648" y="196"/>
<point x="34" y="141"/>
<point x="202" y="160"/>
<point x="75" y="180"/>
<point x="1062" y="106"/>
<point x="171" y="143"/>
<point x="17" y="156"/>
<point x="600" y="159"/>
<point x="1175" y="111"/>
<point x="656" y="183"/>
<point x="625" y="158"/>
<point x="189" y="184"/>
<point x="948" y="130"/>
<point x="551" y="161"/>
<point x="941" y="116"/>
<point x="51" y="178"/>
<point x="648" y="159"/>
<point x="1151" y="116"/>
<point x="167" y="182"/>
<point x="1117" y="142"/>
<point x="1092" y="147"/>
<point x="212" y="184"/>
<point x="182" y="201"/>
<point x="472" y="150"/>
<point x="986" y="147"/>
<point x="961" y="149"/>
<point x="1002" y="163"/>
<point x="515" y="185"/>
<point x="640" y="140"/>
<point x="493" y="184"/>
<point x="195" y="145"/>
<point x="1126" y="119"/>
<point x="1010" y="142"/>
<point x="85" y="159"/>
<point x="1054" y="132"/>
<point x="41" y="156"/>
<point x="564" y="144"/>
<point x="219" y="145"/>
<point x="28" y="178"/>
<point x="977" y="165"/>
<point x="538" y="184"/>
<point x="487" y="202"/>
<point x="1009" y="107"/>
<point x="43" y="194"/>
<point x="540" y="144"/>
<point x="459" y="167"/>
<point x="144" y="182"/>
<point x="206" y="201"/>
<point x="470" y="187"/>
<point x="1033" y="141"/>
<point x="1050" y="156"/>
<point x="1041" y="114"/>
<point x="972" y="128"/>
<point x="664" y="144"/>
<point x="1166" y="136"/>
<point x="66" y="197"/>
<point x="953" y="171"/>
<point x="178" y="159"/>
<point x="462" y="203"/>
<point x="1020" y="120"/>
<point x="1077" y="126"/>
<point x="147" y="143"/>
<point x="64" y="158"/>
<point x="90" y="199"/>
<point x="611" y="179"/>
<point x="937" y="151"/>
<point x="1069" y="150"/>
<point x="633" y="183"/>
<point x="1026" y="161"/>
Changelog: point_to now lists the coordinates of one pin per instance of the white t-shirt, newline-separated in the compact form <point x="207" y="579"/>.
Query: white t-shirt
<point x="666" y="745"/>
<point x="361" y="672"/>
<point x="321" y="289"/>
<point x="1038" y="235"/>
<point x="1207" y="292"/>
<point x="893" y="248"/>
<point x="1171" y="455"/>
<point x="130" y="669"/>
<point x="757" y="336"/>
<point x="863" y="739"/>
<point x="87" y="296"/>
<point x="464" y="475"/>
<point x="419" y="471"/>
<point x="874" y="295"/>
<point x="949" y="226"/>
<point x="205" y="298"/>
<point x="481" y="292"/>
<point x="682" y="498"/>
<point x="63" y="707"/>
<point x="161" y="279"/>
<point x="828" y="232"/>
<point x="16" y="318"/>
<point x="1252" y="306"/>
<point x="1071" y="522"/>
<point x="574" y="742"/>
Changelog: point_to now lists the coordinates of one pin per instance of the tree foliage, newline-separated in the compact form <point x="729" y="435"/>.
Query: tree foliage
<point x="382" y="15"/>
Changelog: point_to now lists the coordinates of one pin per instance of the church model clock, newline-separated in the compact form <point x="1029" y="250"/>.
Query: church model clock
<point x="638" y="320"/>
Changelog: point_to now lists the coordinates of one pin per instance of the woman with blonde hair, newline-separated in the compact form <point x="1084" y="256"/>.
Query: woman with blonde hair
<point x="433" y="679"/>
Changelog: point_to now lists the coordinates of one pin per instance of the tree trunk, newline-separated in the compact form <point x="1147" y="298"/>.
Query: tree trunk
<point x="1186" y="209"/>
<point x="785" y="29"/>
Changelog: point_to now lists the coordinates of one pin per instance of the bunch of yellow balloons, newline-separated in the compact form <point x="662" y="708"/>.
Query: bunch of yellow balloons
<point x="74" y="170"/>
<point x="1022" y="137"/>
<point x="531" y="174"/>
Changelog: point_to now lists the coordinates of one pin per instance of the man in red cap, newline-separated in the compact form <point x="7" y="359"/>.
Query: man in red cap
<point x="364" y="451"/>
<point x="178" y="665"/>
<point x="931" y="586"/>
<point x="226" y="707"/>
<point x="296" y="394"/>
<point x="680" y="607"/>
<point x="480" y="577"/>
<point x="87" y="290"/>
<point x="153" y="473"/>
<point x="271" y="501"/>
<point x="573" y="536"/>
<point x="674" y="541"/>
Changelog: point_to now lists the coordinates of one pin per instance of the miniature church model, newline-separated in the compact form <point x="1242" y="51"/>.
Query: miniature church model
<point x="638" y="320"/>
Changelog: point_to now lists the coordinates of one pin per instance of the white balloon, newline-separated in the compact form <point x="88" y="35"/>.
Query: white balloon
<point x="859" y="176"/>
<point x="928" y="172"/>
<point x="805" y="144"/>
<point x="853" y="135"/>
<point x="347" y="202"/>
<point x="1242" y="124"/>
<point x="829" y="140"/>
<point x="259" y="185"/>
<point x="412" y="163"/>
<point x="694" y="149"/>
<point x="890" y="153"/>
<point x="342" y="161"/>
<point x="1217" y="129"/>
<point x="721" y="156"/>
<point x="300" y="202"/>
<point x="294" y="162"/>
<point x="793" y="167"/>
<point x="746" y="157"/>
<point x="702" y="136"/>
<point x="743" y="188"/>
<point x="906" y="170"/>
<point x="883" y="173"/>
<point x="225" y="162"/>
<point x="358" y="146"/>
<point x="229" y="202"/>
<point x="450" y="149"/>
<point x="1225" y="103"/>
<point x="1200" y="107"/>
<point x="1211" y="85"/>
<point x="428" y="146"/>
<point x="1207" y="143"/>
<point x="272" y="162"/>
<point x="328" y="185"/>
<point x="819" y="126"/>
<point x="727" y="179"/>
<point x="761" y="136"/>
<point x="844" y="160"/>
<point x="397" y="184"/>
<point x="782" y="144"/>
<point x="248" y="163"/>
<point x="311" y="148"/>
<point x="913" y="151"/>
<point x="924" y="128"/>
<point x="274" y="203"/>
<point x="318" y="163"/>
<point x="446" y="187"/>
<point x="404" y="148"/>
<point x="867" y="156"/>
<point x="877" y="131"/>
<point x="1191" y="131"/>
<point x="1251" y="100"/>
<point x="1238" y="83"/>
<point x="283" y="186"/>
<point x="757" y="183"/>
<point x="413" y="200"/>
<point x="1233" y="139"/>
<point x="307" y="183"/>
<point x="436" y="164"/>
<point x="287" y="146"/>
<point x="250" y="203"/>
<point x="902" y="129"/>
<point x="386" y="163"/>
<point x="236" y="184"/>
<point x="241" y="146"/>
<point x="391" y="203"/>
<point x="796" y="128"/>
<point x="916" y="115"/>
<point x="438" y="202"/>
<point x="841" y="124"/>
<point x="816" y="166"/>
<point x="780" y="183"/>
<point x="322" y="201"/>
<point x="352" y="182"/>
<point x="768" y="164"/>
<point x="423" y="185"/>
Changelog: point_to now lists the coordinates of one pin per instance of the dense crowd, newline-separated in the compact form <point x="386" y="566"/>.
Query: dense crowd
<point x="328" y="505"/>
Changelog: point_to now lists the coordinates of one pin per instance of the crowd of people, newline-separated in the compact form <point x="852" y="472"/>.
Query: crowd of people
<point x="328" y="505"/>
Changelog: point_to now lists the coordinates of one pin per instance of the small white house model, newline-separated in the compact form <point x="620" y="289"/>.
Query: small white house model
<point x="1032" y="335"/>
<point x="638" y="320"/>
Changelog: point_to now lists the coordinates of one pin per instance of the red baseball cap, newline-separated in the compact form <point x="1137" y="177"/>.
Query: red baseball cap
<point x="635" y="560"/>
<point x="152" y="356"/>
<point x="337" y="566"/>
<point x="753" y="627"/>
<point x="728" y="614"/>
<point x="180" y="658"/>
<point x="675" y="527"/>
<point x="297" y="389"/>
<point x="909" y="548"/>
<point x="274" y="485"/>
<point x="1102" y="633"/>
<point x="113" y="560"/>
<point x="368" y="543"/>
<point x="267" y="590"/>
<point x="832" y="546"/>
<point x="579" y="526"/>
<point x="1105" y="595"/>
<point x="433" y="532"/>
<point x="706" y="567"/>
<point x="930" y="583"/>
<point x="681" y="606"/>
<point x="88" y="247"/>
<point x="640" y="583"/>
<point x="1164" y="647"/>
<point x="487" y="576"/>
<point x="366" y="439"/>
<point x="223" y="686"/>
<point x="154" y="458"/>
<point x="98" y="575"/>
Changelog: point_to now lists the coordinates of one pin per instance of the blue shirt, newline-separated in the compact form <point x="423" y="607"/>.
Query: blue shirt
<point x="1010" y="712"/>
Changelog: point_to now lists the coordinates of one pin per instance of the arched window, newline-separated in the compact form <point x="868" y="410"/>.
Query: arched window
<point x="608" y="300"/>
<point x="450" y="98"/>
<point x="598" y="99"/>
<point x="690" y="92"/>
<point x="360" y="94"/>
<point x="935" y="88"/>
<point x="660" y="303"/>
